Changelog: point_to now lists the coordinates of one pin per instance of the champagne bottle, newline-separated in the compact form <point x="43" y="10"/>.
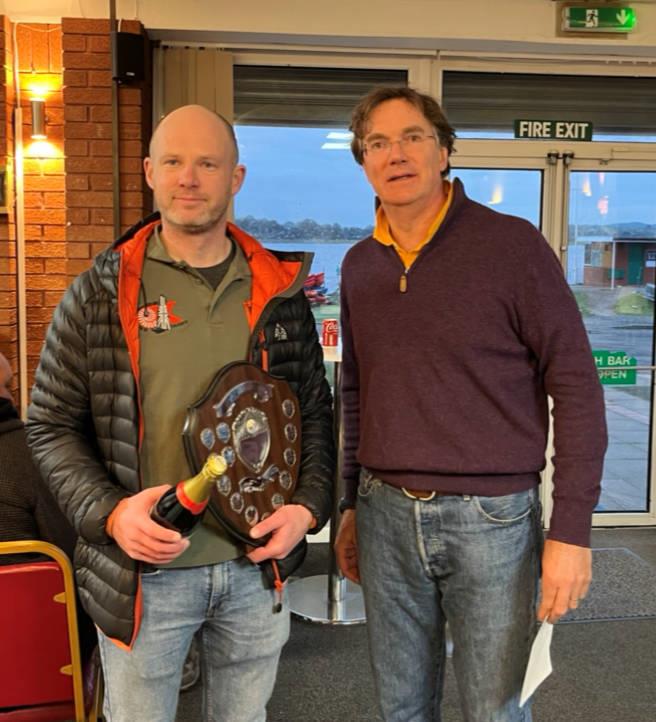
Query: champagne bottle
<point x="181" y="507"/>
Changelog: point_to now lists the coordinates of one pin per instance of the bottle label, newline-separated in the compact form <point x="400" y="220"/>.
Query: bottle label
<point x="195" y="507"/>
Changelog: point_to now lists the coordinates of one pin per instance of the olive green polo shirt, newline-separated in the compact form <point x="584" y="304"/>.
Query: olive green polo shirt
<point x="188" y="331"/>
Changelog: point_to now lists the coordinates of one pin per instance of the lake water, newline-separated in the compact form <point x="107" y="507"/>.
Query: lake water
<point x="327" y="258"/>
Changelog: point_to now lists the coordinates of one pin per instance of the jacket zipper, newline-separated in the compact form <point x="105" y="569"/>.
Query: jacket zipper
<point x="403" y="278"/>
<point x="258" y="329"/>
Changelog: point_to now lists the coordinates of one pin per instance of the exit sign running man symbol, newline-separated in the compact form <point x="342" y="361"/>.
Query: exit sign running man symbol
<point x="602" y="19"/>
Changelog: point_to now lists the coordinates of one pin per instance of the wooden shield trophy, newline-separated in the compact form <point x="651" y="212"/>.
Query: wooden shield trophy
<point x="253" y="420"/>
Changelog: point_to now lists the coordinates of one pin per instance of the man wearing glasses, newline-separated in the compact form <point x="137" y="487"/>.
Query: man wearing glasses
<point x="457" y="325"/>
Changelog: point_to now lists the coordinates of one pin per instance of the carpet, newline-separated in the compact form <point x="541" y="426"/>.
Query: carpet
<point x="623" y="587"/>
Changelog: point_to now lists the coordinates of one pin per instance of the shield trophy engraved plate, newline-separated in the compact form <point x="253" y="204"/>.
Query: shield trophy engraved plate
<point x="253" y="420"/>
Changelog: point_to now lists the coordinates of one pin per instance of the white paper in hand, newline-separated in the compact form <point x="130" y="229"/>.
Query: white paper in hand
<point x="539" y="662"/>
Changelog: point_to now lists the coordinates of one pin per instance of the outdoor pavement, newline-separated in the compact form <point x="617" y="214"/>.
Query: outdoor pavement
<point x="625" y="478"/>
<point x="620" y="320"/>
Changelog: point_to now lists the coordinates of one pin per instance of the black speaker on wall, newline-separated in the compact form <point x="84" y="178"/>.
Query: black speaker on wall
<point x="128" y="56"/>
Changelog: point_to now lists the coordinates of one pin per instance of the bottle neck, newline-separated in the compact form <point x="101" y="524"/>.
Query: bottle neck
<point x="194" y="493"/>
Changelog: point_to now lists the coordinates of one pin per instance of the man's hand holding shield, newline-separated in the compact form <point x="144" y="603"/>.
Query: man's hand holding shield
<point x="287" y="526"/>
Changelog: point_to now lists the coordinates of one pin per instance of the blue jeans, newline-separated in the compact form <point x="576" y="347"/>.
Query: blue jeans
<point x="471" y="560"/>
<point x="241" y="640"/>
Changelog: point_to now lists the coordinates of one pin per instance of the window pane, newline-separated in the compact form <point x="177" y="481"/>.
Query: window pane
<point x="516" y="192"/>
<point x="303" y="190"/>
<point x="611" y="265"/>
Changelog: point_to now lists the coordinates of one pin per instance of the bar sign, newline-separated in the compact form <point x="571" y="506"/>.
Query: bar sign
<point x="615" y="367"/>
<point x="554" y="129"/>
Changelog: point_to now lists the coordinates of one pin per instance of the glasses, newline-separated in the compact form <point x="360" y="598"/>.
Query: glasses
<point x="408" y="142"/>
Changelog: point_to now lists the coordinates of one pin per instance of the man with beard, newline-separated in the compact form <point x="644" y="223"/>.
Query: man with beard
<point x="135" y="341"/>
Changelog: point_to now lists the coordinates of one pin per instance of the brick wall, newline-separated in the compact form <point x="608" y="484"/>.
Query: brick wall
<point x="68" y="181"/>
<point x="88" y="141"/>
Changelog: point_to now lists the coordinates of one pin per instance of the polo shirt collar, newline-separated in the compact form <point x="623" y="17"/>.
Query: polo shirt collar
<point x="156" y="251"/>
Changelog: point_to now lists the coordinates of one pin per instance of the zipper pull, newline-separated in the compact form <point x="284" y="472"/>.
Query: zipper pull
<point x="278" y="586"/>
<point x="403" y="282"/>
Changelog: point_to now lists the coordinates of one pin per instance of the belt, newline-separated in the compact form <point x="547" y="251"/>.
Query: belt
<point x="424" y="494"/>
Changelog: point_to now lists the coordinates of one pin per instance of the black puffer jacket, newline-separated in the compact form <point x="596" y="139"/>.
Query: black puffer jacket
<point x="27" y="509"/>
<point x="84" y="423"/>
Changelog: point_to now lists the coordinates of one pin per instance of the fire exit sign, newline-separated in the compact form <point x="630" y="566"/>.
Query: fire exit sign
<point x="603" y="19"/>
<point x="553" y="129"/>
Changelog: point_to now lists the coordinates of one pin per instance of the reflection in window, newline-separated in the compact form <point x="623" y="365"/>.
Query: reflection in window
<point x="516" y="192"/>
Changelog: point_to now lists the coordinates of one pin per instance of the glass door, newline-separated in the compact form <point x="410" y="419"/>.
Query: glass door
<point x="596" y="205"/>
<point x="609" y="257"/>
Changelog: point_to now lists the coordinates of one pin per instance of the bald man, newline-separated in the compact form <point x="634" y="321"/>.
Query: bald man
<point x="135" y="341"/>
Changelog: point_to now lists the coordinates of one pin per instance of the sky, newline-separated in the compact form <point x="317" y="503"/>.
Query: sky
<point x="292" y="175"/>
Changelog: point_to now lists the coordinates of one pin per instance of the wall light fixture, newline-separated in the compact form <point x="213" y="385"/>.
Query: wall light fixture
<point x="38" y="118"/>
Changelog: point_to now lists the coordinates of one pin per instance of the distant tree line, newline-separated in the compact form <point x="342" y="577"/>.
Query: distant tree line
<point x="266" y="229"/>
<point x="615" y="230"/>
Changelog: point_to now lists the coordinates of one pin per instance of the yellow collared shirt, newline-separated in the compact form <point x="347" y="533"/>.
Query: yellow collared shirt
<point x="383" y="232"/>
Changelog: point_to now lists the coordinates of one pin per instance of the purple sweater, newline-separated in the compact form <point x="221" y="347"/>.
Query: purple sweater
<point x="445" y="386"/>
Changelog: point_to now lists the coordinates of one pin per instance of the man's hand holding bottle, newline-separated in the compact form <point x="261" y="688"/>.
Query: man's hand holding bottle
<point x="151" y="526"/>
<point x="141" y="538"/>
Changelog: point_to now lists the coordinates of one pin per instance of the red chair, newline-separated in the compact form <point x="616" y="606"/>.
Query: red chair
<point x="40" y="665"/>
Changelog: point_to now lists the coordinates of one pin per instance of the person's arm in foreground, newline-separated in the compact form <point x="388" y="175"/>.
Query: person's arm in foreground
<point x="346" y="543"/>
<point x="556" y="335"/>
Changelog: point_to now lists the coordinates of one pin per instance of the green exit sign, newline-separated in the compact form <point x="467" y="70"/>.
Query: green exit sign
<point x="615" y="368"/>
<point x="604" y="19"/>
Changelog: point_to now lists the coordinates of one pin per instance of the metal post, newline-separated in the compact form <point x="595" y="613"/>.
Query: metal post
<point x="329" y="598"/>
<point x="612" y="264"/>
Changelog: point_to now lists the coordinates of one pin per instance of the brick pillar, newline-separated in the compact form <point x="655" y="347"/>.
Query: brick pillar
<point x="8" y="316"/>
<point x="39" y="64"/>
<point x="88" y="144"/>
<point x="39" y="68"/>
